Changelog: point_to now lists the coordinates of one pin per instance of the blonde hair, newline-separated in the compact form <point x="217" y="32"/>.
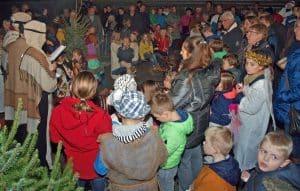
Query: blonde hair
<point x="116" y="37"/>
<point x="260" y="29"/>
<point x="221" y="138"/>
<point x="280" y="141"/>
<point x="149" y="88"/>
<point x="84" y="87"/>
<point x="160" y="103"/>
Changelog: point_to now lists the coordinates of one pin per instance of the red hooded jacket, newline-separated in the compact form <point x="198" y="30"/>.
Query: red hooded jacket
<point x="78" y="131"/>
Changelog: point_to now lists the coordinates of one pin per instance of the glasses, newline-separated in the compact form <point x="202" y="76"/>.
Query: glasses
<point x="224" y="20"/>
<point x="253" y="32"/>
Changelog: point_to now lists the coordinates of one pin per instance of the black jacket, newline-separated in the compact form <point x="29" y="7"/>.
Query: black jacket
<point x="233" y="39"/>
<point x="194" y="96"/>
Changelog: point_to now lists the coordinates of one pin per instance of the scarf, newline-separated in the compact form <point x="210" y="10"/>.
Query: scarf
<point x="129" y="133"/>
<point x="250" y="78"/>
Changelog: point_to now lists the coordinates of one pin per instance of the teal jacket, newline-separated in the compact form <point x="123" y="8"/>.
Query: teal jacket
<point x="174" y="134"/>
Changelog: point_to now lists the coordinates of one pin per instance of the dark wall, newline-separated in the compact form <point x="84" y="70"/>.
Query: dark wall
<point x="55" y="7"/>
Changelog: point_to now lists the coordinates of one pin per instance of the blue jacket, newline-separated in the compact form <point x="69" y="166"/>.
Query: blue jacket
<point x="220" y="107"/>
<point x="228" y="169"/>
<point x="289" y="174"/>
<point x="161" y="20"/>
<point x="285" y="96"/>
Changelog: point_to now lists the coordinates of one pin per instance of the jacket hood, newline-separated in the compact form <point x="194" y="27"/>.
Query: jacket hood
<point x="289" y="174"/>
<point x="186" y="121"/>
<point x="228" y="169"/>
<point x="77" y="118"/>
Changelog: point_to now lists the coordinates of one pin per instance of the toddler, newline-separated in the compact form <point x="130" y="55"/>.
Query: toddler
<point x="222" y="171"/>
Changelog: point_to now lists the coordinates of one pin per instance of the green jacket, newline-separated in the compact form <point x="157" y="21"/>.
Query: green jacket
<point x="174" y="135"/>
<point x="153" y="20"/>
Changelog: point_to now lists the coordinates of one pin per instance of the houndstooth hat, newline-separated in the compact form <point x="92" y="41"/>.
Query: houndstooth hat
<point x="125" y="82"/>
<point x="122" y="84"/>
<point x="132" y="105"/>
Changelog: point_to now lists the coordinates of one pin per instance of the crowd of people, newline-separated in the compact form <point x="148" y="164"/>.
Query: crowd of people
<point x="221" y="119"/>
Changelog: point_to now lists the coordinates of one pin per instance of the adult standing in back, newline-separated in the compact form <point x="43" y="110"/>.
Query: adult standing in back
<point x="233" y="35"/>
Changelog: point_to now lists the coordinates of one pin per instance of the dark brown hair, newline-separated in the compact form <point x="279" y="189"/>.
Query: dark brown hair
<point x="227" y="80"/>
<point x="216" y="44"/>
<point x="232" y="59"/>
<point x="201" y="55"/>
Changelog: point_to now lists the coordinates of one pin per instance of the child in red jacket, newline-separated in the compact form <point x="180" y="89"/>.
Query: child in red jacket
<point x="77" y="122"/>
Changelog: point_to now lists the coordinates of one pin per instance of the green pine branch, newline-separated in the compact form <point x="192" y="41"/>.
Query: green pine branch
<point x="20" y="168"/>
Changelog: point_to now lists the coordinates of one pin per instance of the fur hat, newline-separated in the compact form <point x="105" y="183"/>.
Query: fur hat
<point x="35" y="26"/>
<point x="132" y="105"/>
<point x="19" y="19"/>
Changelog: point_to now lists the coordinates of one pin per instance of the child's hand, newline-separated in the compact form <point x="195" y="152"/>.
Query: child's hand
<point x="239" y="88"/>
<point x="245" y="176"/>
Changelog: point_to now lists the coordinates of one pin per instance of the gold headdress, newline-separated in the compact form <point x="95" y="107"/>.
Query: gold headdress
<point x="260" y="59"/>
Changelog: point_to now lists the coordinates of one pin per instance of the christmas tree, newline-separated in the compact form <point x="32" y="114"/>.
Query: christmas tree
<point x="74" y="34"/>
<point x="20" y="167"/>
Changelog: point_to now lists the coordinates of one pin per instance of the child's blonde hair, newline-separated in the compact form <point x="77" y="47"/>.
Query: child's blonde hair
<point x="221" y="138"/>
<point x="116" y="37"/>
<point x="149" y="88"/>
<point x="84" y="87"/>
<point x="280" y="141"/>
<point x="160" y="103"/>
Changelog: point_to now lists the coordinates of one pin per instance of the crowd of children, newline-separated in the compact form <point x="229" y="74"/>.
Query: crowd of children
<point x="208" y="125"/>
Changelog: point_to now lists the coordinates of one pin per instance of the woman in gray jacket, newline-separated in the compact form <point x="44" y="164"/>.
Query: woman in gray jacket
<point x="192" y="90"/>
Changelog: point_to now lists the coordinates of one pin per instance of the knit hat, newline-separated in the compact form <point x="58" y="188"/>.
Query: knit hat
<point x="122" y="84"/>
<point x="132" y="105"/>
<point x="125" y="82"/>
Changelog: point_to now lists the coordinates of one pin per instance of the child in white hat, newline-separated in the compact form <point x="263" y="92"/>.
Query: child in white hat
<point x="131" y="155"/>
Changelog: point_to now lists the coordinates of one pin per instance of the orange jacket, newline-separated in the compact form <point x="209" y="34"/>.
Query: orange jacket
<point x="208" y="180"/>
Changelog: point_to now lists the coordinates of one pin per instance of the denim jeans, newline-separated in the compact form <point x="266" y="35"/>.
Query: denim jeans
<point x="189" y="167"/>
<point x="97" y="184"/>
<point x="166" y="179"/>
<point x="151" y="57"/>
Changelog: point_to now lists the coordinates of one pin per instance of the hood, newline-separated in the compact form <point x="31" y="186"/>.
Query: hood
<point x="289" y="174"/>
<point x="10" y="37"/>
<point x="186" y="122"/>
<point x="228" y="169"/>
<point x="77" y="119"/>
